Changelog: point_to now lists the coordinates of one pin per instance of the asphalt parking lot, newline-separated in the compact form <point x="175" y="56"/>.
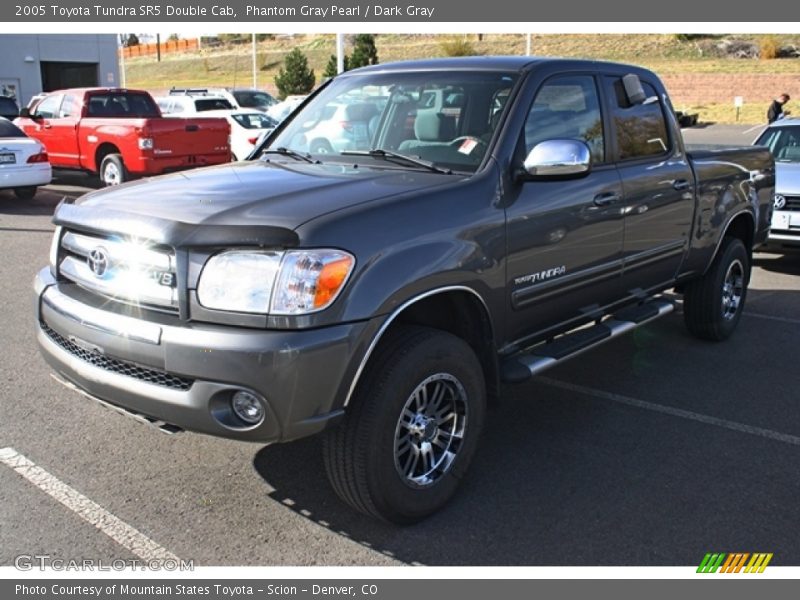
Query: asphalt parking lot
<point x="652" y="450"/>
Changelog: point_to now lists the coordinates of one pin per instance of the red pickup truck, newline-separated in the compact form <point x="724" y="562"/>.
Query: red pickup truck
<point x="120" y="134"/>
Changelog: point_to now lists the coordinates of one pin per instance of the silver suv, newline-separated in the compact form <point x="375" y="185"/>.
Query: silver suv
<point x="783" y="139"/>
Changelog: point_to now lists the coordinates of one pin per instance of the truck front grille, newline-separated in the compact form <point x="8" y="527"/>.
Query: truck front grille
<point x="120" y="269"/>
<point x="120" y="367"/>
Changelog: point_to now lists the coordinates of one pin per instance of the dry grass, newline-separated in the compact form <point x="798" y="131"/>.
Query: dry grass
<point x="663" y="53"/>
<point x="750" y="114"/>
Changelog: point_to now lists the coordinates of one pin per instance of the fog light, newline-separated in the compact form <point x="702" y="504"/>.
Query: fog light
<point x="247" y="407"/>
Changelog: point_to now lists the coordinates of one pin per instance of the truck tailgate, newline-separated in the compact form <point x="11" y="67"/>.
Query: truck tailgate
<point x="187" y="137"/>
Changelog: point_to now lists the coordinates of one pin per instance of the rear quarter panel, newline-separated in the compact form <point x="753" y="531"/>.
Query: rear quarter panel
<point x="121" y="133"/>
<point x="730" y="182"/>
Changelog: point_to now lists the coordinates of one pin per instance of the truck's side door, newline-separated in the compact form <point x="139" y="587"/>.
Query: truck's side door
<point x="658" y="186"/>
<point x="64" y="132"/>
<point x="564" y="235"/>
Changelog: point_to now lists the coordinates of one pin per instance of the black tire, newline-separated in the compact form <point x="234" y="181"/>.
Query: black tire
<point x="713" y="304"/>
<point x="113" y="171"/>
<point x="25" y="193"/>
<point x="361" y="455"/>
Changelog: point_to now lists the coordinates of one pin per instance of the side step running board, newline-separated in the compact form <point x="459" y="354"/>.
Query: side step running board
<point x="523" y="366"/>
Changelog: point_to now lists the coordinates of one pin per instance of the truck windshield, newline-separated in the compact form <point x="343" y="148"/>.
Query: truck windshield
<point x="446" y="118"/>
<point x="122" y="105"/>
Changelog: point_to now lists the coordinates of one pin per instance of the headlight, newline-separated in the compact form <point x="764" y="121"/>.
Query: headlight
<point x="310" y="280"/>
<point x="239" y="281"/>
<point x="281" y="283"/>
<point x="145" y="143"/>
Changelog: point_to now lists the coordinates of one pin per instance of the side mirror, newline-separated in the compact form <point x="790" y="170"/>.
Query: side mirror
<point x="558" y="158"/>
<point x="25" y="112"/>
<point x="633" y="89"/>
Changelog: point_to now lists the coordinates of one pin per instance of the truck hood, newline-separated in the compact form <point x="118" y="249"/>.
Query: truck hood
<point x="787" y="178"/>
<point x="267" y="200"/>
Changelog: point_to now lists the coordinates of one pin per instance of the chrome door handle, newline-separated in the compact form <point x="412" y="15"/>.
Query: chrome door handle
<point x="605" y="199"/>
<point x="680" y="185"/>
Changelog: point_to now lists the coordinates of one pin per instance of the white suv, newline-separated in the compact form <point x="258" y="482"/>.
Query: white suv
<point x="242" y="98"/>
<point x="186" y="105"/>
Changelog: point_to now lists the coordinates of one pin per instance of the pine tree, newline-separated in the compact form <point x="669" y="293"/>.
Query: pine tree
<point x="364" y="51"/>
<point x="331" y="69"/>
<point x="294" y="77"/>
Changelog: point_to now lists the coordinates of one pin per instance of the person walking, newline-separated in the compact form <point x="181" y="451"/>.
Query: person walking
<point x="775" y="110"/>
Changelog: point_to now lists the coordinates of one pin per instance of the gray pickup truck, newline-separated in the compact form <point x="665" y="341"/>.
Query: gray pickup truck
<point x="480" y="220"/>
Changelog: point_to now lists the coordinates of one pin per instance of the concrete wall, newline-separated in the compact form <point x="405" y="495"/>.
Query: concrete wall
<point x="15" y="48"/>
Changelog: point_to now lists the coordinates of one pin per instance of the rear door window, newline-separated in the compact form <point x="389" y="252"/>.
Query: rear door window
<point x="640" y="129"/>
<point x="203" y="104"/>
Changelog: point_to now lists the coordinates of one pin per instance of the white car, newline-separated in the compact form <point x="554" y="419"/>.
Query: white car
<point x="23" y="162"/>
<point x="247" y="126"/>
<point x="191" y="106"/>
<point x="245" y="98"/>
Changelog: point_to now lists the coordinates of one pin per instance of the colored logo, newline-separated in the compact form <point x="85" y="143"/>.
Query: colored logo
<point x="737" y="562"/>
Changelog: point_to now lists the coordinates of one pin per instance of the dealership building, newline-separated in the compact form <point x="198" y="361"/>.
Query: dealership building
<point x="35" y="63"/>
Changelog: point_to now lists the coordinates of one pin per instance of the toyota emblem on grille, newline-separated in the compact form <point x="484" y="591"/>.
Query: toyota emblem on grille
<point x="98" y="261"/>
<point x="779" y="202"/>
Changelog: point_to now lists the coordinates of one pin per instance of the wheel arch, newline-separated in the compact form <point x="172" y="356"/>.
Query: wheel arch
<point x="455" y="309"/>
<point x="102" y="151"/>
<point x="742" y="226"/>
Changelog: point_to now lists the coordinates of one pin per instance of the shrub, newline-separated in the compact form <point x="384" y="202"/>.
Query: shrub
<point x="458" y="47"/>
<point x="294" y="77"/>
<point x="769" y="48"/>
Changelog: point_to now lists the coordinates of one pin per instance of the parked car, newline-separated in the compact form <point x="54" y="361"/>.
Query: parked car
<point x="381" y="294"/>
<point x="187" y="106"/>
<point x="246" y="98"/>
<point x="120" y="134"/>
<point x="23" y="161"/>
<point x="336" y="127"/>
<point x="283" y="109"/>
<point x="783" y="139"/>
<point x="8" y="108"/>
<point x="246" y="128"/>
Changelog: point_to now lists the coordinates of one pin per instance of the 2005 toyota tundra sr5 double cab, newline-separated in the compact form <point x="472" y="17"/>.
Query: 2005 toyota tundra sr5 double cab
<point x="480" y="220"/>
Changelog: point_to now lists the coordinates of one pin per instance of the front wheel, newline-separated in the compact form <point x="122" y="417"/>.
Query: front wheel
<point x="713" y="304"/>
<point x="412" y="428"/>
<point x="112" y="170"/>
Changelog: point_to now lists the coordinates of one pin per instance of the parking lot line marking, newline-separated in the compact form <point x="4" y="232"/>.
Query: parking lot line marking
<point x="675" y="412"/>
<point x="772" y="317"/>
<point x="126" y="536"/>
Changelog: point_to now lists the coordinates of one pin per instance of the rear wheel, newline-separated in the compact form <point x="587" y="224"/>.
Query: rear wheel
<point x="713" y="304"/>
<point x="412" y="428"/>
<point x="25" y="193"/>
<point x="112" y="170"/>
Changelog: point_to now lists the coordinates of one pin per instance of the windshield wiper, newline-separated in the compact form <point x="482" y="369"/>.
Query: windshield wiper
<point x="389" y="154"/>
<point x="287" y="152"/>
